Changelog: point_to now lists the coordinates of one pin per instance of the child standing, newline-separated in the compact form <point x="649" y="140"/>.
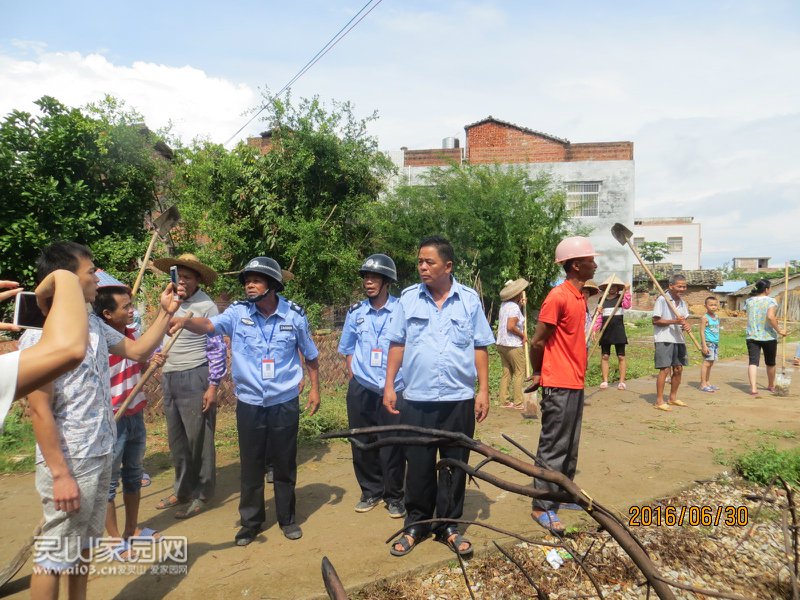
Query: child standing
<point x="614" y="333"/>
<point x="709" y="340"/>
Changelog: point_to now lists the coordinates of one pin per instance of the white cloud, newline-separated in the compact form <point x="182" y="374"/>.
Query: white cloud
<point x="197" y="105"/>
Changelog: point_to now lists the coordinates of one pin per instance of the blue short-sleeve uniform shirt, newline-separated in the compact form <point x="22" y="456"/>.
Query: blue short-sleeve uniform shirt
<point x="439" y="356"/>
<point x="366" y="331"/>
<point x="256" y="339"/>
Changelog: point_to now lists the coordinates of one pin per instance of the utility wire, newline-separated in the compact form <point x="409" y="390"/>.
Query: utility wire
<point x="316" y="58"/>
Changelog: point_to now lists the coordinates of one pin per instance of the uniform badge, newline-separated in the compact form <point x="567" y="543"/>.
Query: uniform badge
<point x="247" y="321"/>
<point x="287" y="328"/>
<point x="359" y="321"/>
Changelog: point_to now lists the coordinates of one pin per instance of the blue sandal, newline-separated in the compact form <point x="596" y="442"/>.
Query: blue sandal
<point x="550" y="521"/>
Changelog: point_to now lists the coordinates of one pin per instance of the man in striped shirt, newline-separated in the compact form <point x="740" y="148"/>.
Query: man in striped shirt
<point x="113" y="305"/>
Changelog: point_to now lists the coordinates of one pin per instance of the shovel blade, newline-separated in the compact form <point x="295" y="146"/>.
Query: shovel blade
<point x="621" y="233"/>
<point x="166" y="220"/>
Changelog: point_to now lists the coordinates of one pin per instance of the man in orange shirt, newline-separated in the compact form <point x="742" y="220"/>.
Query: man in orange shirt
<point x="558" y="359"/>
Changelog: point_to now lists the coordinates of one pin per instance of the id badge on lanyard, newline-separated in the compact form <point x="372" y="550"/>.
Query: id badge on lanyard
<point x="376" y="357"/>
<point x="267" y="368"/>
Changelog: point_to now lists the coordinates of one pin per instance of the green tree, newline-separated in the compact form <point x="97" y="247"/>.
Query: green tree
<point x="82" y="175"/>
<point x="653" y="252"/>
<point x="502" y="223"/>
<point x="300" y="202"/>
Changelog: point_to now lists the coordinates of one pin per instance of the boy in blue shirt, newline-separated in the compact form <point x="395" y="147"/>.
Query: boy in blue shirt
<point x="709" y="340"/>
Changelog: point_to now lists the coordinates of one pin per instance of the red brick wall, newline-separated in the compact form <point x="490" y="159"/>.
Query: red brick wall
<point x="496" y="143"/>
<point x="441" y="157"/>
<point x="263" y="144"/>
<point x="600" y="151"/>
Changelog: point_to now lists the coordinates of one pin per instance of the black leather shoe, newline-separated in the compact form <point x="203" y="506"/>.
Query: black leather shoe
<point x="292" y="531"/>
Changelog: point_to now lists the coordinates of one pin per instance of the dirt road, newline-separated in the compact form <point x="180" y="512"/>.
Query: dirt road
<point x="629" y="454"/>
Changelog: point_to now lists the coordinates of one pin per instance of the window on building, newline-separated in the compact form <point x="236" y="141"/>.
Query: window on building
<point x="583" y="198"/>
<point x="677" y="267"/>
<point x="638" y="241"/>
<point x="675" y="244"/>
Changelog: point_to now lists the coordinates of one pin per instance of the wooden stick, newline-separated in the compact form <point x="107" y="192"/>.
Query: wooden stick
<point x="147" y="374"/>
<point x="597" y="310"/>
<point x="613" y="312"/>
<point x="147" y="254"/>
<point x="661" y="291"/>
<point x="785" y="315"/>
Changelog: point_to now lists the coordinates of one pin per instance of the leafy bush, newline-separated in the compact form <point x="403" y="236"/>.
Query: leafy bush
<point x="765" y="463"/>
<point x="17" y="444"/>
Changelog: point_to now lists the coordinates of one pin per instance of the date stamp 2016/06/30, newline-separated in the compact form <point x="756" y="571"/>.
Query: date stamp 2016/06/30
<point x="674" y="515"/>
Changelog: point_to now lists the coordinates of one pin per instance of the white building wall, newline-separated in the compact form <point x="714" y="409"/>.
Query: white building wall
<point x="689" y="257"/>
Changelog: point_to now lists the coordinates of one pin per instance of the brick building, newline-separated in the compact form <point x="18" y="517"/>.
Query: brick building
<point x="598" y="177"/>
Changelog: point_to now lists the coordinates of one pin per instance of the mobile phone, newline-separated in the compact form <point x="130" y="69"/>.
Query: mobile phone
<point x="173" y="275"/>
<point x="27" y="313"/>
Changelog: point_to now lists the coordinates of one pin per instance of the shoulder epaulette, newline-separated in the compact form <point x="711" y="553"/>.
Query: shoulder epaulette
<point x="240" y="303"/>
<point x="352" y="308"/>
<point x="409" y="288"/>
<point x="297" y="308"/>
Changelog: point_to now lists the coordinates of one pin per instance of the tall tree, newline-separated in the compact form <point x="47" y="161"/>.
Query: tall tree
<point x="653" y="252"/>
<point x="84" y="175"/>
<point x="503" y="224"/>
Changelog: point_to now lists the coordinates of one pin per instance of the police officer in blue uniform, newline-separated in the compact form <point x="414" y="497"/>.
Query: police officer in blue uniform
<point x="365" y="345"/>
<point x="266" y="332"/>
<point x="439" y="337"/>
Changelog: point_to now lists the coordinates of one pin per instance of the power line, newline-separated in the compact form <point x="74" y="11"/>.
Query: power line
<point x="316" y="58"/>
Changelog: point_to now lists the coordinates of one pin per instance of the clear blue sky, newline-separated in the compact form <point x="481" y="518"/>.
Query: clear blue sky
<point x="708" y="91"/>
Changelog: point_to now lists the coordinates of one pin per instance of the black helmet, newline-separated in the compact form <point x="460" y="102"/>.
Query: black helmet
<point x="380" y="264"/>
<point x="264" y="265"/>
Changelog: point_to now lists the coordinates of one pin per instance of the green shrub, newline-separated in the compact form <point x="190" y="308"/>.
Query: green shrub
<point x="766" y="462"/>
<point x="17" y="444"/>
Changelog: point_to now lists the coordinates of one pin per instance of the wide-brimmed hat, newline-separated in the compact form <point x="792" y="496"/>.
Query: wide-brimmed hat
<point x="512" y="288"/>
<point x="592" y="287"/>
<point x="613" y="280"/>
<point x="207" y="275"/>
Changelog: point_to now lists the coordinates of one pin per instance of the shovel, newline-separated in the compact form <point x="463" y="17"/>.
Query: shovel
<point x="783" y="381"/>
<point x="161" y="226"/>
<point x="602" y="331"/>
<point x="598" y="309"/>
<point x="530" y="400"/>
<point x="25" y="552"/>
<point x="623" y="235"/>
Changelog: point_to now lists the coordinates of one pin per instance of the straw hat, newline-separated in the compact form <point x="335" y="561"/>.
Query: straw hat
<point x="613" y="280"/>
<point x="190" y="261"/>
<point x="592" y="287"/>
<point x="512" y="288"/>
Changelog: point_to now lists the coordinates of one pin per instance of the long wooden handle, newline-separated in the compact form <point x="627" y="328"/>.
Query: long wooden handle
<point x="663" y="295"/>
<point x="147" y="374"/>
<point x="527" y="353"/>
<point x="785" y="314"/>
<point x="597" y="310"/>
<point x="603" y="329"/>
<point x="147" y="254"/>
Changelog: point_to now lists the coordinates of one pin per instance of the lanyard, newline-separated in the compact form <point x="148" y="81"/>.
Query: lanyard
<point x="271" y="333"/>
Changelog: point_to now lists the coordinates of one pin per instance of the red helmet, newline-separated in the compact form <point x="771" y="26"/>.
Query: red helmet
<point x="574" y="247"/>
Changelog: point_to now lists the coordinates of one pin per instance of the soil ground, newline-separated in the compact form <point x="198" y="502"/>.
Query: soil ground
<point x="629" y="454"/>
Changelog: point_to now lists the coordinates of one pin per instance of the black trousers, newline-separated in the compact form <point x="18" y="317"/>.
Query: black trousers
<point x="560" y="437"/>
<point x="379" y="472"/>
<point x="426" y="494"/>
<point x="267" y="431"/>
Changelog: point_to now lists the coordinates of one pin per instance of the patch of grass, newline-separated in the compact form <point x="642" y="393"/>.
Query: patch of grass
<point x="17" y="444"/>
<point x="670" y="426"/>
<point x="764" y="463"/>
<point x="720" y="456"/>
<point x="331" y="416"/>
<point x="777" y="434"/>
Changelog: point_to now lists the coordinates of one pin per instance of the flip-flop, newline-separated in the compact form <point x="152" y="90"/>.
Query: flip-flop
<point x="663" y="407"/>
<point x="120" y="549"/>
<point x="621" y="386"/>
<point x="404" y="544"/>
<point x="146" y="480"/>
<point x="678" y="403"/>
<point x="508" y="405"/>
<point x="148" y="533"/>
<point x="168" y="502"/>
<point x="550" y="521"/>
<point x="195" y="508"/>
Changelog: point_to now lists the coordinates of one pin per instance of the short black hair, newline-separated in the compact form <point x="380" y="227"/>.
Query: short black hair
<point x="442" y="245"/>
<point x="761" y="286"/>
<point x="60" y="255"/>
<point x="567" y="264"/>
<point x="709" y="298"/>
<point x="105" y="299"/>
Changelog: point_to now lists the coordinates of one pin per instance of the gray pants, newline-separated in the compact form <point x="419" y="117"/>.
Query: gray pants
<point x="562" y="413"/>
<point x="191" y="433"/>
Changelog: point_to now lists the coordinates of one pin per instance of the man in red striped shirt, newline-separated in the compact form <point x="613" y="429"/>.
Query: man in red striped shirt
<point x="113" y="304"/>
